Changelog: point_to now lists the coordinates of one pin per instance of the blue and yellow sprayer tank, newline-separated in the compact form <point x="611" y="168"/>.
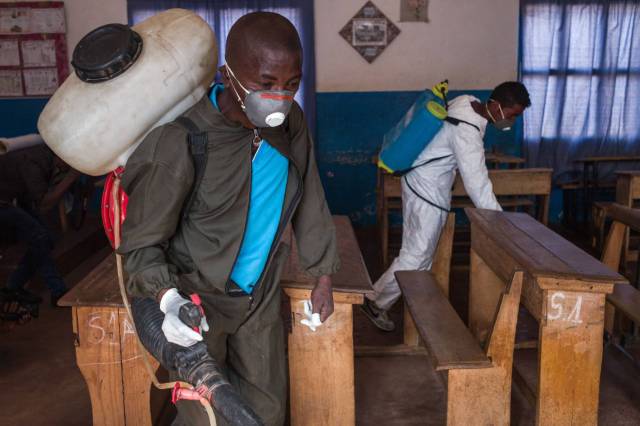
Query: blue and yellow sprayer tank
<point x="405" y="141"/>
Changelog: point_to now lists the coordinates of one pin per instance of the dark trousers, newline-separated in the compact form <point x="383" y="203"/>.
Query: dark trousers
<point x="246" y="337"/>
<point x="25" y="227"/>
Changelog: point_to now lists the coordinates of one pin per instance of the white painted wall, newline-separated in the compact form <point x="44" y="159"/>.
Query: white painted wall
<point x="85" y="15"/>
<point x="473" y="43"/>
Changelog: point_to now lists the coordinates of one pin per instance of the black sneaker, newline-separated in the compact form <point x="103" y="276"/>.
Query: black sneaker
<point x="26" y="296"/>
<point x="378" y="317"/>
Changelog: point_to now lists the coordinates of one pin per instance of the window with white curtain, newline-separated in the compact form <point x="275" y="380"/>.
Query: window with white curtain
<point x="580" y="61"/>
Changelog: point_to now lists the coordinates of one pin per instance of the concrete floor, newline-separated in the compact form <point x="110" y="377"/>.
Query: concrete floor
<point x="41" y="385"/>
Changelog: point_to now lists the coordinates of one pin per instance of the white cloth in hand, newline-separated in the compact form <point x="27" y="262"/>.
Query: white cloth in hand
<point x="174" y="329"/>
<point x="312" y="320"/>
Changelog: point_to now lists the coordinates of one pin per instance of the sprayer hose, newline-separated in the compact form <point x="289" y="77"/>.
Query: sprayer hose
<point x="125" y="300"/>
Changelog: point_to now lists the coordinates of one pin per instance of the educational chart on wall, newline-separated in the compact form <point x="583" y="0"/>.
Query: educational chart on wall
<point x="33" y="48"/>
<point x="369" y="32"/>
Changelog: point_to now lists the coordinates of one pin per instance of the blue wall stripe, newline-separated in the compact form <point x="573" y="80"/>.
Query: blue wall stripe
<point x="20" y="116"/>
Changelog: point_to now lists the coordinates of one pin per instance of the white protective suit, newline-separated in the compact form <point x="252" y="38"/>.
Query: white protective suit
<point x="463" y="147"/>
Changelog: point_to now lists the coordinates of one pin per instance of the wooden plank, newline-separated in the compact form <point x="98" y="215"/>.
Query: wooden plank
<point x="626" y="215"/>
<point x="135" y="379"/>
<point x="99" y="359"/>
<point x="484" y="396"/>
<point x="504" y="182"/>
<point x="494" y="157"/>
<point x="517" y="202"/>
<point x="606" y="159"/>
<point x="389" y="350"/>
<point x="611" y="255"/>
<point x="570" y="358"/>
<point x="392" y="186"/>
<point x="441" y="265"/>
<point x="538" y="250"/>
<point x="514" y="182"/>
<point x="627" y="299"/>
<point x="448" y="341"/>
<point x="338" y="297"/>
<point x="503" y="333"/>
<point x="321" y="369"/>
<point x="98" y="288"/>
<point x="485" y="291"/>
<point x="623" y="189"/>
<point x="352" y="277"/>
<point x="477" y="397"/>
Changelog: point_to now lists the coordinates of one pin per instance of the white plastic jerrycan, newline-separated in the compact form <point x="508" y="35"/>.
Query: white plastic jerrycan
<point x="127" y="82"/>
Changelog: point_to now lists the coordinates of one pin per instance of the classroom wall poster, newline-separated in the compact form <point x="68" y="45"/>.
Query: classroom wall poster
<point x="33" y="48"/>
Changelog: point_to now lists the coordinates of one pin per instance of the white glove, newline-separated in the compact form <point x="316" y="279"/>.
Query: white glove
<point x="312" y="320"/>
<point x="174" y="329"/>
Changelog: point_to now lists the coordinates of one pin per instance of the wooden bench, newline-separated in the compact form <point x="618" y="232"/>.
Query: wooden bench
<point x="625" y="298"/>
<point x="564" y="289"/>
<point x="627" y="192"/>
<point x="513" y="187"/>
<point x="477" y="378"/>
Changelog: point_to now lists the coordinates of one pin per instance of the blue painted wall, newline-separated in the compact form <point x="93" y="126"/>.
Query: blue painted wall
<point x="350" y="127"/>
<point x="20" y="116"/>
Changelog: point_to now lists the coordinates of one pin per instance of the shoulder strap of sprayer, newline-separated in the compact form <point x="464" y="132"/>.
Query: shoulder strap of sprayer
<point x="197" y="141"/>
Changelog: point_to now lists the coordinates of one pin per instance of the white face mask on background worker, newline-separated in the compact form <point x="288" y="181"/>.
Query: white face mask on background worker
<point x="503" y="124"/>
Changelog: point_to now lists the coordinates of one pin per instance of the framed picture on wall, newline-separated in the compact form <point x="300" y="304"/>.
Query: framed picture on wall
<point x="369" y="32"/>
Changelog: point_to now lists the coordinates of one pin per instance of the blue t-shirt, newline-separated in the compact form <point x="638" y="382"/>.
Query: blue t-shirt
<point x="269" y="174"/>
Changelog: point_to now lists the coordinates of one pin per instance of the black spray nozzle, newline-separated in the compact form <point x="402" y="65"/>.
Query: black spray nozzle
<point x="193" y="365"/>
<point x="190" y="314"/>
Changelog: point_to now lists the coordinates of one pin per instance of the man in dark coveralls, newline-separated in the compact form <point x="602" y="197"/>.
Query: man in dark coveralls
<point x="260" y="175"/>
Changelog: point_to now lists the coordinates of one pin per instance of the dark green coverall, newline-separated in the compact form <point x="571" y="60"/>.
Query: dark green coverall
<point x="196" y="252"/>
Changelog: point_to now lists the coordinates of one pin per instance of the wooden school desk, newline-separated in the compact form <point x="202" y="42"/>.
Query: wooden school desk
<point x="321" y="363"/>
<point x="564" y="289"/>
<point x="511" y="183"/>
<point x="107" y="353"/>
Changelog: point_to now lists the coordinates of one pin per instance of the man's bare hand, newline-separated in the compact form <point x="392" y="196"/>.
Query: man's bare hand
<point x="322" y="297"/>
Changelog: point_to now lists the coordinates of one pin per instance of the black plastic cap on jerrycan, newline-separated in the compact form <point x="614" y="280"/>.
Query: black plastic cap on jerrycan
<point x="106" y="52"/>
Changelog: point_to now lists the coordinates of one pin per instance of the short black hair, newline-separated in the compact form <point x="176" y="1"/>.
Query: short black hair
<point x="511" y="93"/>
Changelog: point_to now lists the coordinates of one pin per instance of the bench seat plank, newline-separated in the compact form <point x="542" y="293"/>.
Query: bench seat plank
<point x="449" y="343"/>
<point x="626" y="298"/>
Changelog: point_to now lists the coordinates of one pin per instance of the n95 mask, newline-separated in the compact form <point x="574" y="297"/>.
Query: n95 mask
<point x="264" y="108"/>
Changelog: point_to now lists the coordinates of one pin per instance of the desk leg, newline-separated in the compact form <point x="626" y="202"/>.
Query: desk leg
<point x="136" y="381"/>
<point x="624" y="197"/>
<point x="108" y="357"/>
<point x="545" y="209"/>
<point x="570" y="357"/>
<point x="321" y="365"/>
<point x="99" y="359"/>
